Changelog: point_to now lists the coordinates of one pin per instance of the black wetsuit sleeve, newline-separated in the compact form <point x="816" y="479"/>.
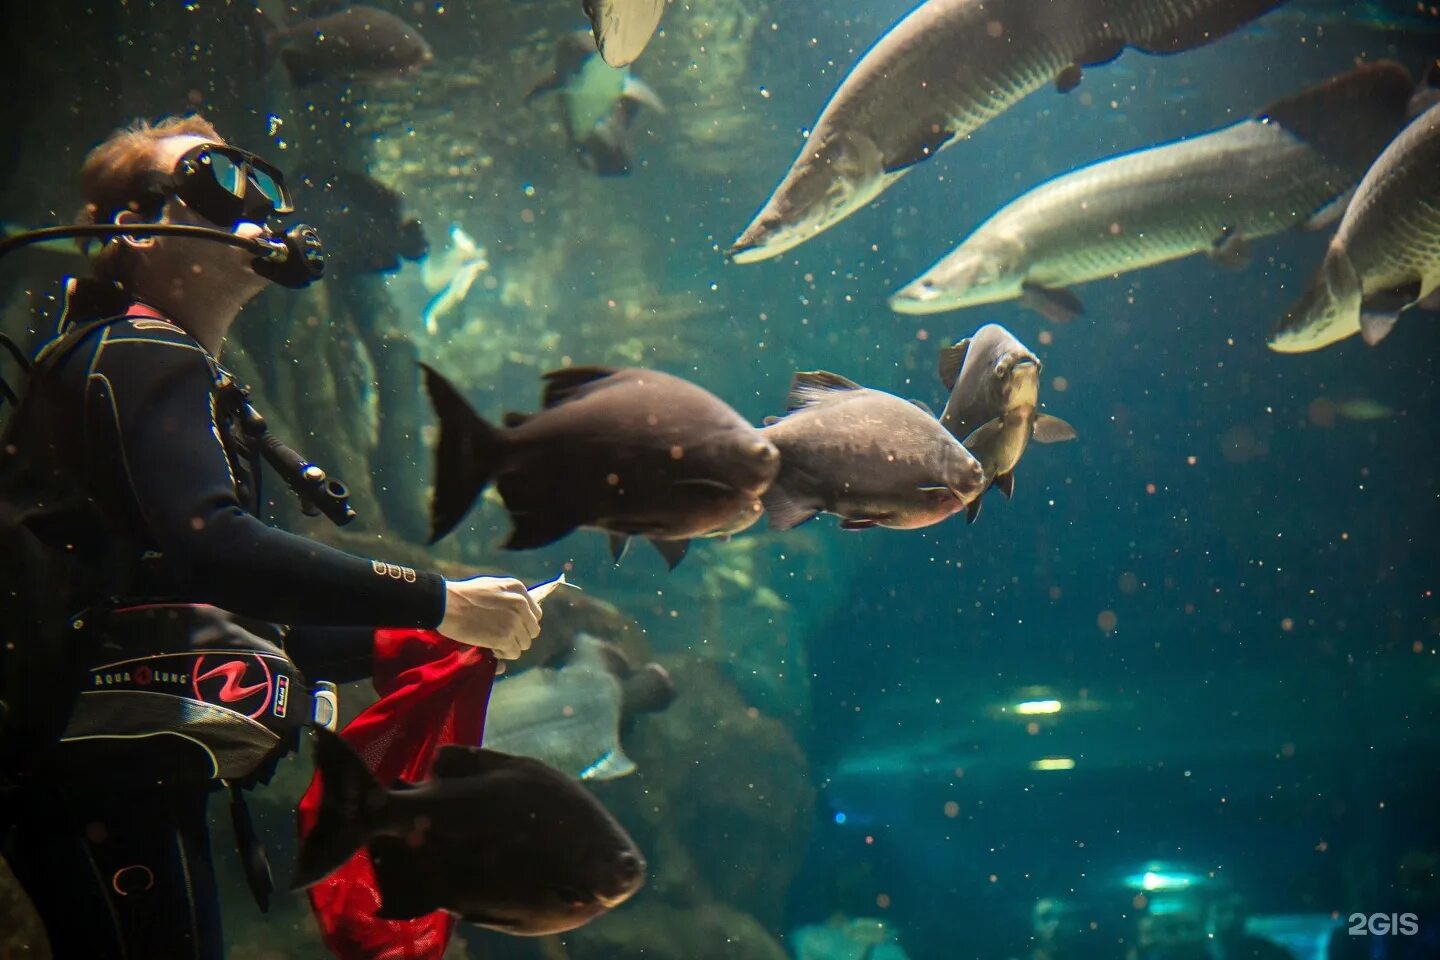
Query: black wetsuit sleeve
<point x="337" y="654"/>
<point x="155" y="393"/>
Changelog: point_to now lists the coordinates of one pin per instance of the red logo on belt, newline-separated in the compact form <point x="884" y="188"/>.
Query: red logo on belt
<point x="233" y="691"/>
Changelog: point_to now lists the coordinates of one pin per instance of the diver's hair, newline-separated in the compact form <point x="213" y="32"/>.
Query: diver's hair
<point x="116" y="177"/>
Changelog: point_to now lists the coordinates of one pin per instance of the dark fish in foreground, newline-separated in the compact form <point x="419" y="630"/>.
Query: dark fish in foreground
<point x="994" y="384"/>
<point x="599" y="104"/>
<point x="1385" y="256"/>
<point x="622" y="28"/>
<point x="870" y="457"/>
<point x="358" y="42"/>
<point x="1291" y="164"/>
<point x="943" y="71"/>
<point x="363" y="222"/>
<point x="503" y="842"/>
<point x="632" y="452"/>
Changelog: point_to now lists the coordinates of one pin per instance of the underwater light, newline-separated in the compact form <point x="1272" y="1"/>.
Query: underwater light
<point x="840" y="818"/>
<point x="1053" y="763"/>
<point x="1153" y="880"/>
<point x="1030" y="708"/>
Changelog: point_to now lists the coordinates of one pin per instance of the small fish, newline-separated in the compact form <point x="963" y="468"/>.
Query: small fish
<point x="571" y="716"/>
<point x="629" y="451"/>
<point x="356" y="42"/>
<point x="868" y="456"/>
<point x="450" y="277"/>
<point x="363" y="222"/>
<point x="622" y="28"/>
<point x="1289" y="165"/>
<point x="503" y="842"/>
<point x="1385" y="255"/>
<point x="943" y="71"/>
<point x="599" y="104"/>
<point x="994" y="384"/>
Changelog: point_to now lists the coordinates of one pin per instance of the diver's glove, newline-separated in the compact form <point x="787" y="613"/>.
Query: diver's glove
<point x="494" y="612"/>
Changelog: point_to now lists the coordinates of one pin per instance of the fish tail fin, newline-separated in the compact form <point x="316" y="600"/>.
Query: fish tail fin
<point x="467" y="456"/>
<point x="348" y="805"/>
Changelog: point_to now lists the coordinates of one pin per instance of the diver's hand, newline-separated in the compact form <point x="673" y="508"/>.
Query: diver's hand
<point x="494" y="612"/>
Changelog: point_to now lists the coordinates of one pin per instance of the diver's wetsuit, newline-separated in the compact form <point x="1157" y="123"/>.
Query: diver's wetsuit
<point x="116" y="869"/>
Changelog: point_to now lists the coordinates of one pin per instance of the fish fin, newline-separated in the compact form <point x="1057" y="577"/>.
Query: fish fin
<point x="547" y="84"/>
<point x="1104" y="51"/>
<point x="771" y="421"/>
<point x="1349" y="118"/>
<point x="1050" y="429"/>
<point x="1068" y="78"/>
<point x="952" y="360"/>
<point x="454" y="760"/>
<point x="923" y="406"/>
<point x="920" y="150"/>
<point x="609" y="766"/>
<point x="1005" y="483"/>
<point x="983" y="434"/>
<point x="619" y="546"/>
<point x="467" y="455"/>
<point x="1055" y="304"/>
<point x="1230" y="250"/>
<point x="672" y="550"/>
<point x="350" y="803"/>
<point x="1376" y="326"/>
<point x="858" y="523"/>
<point x="536" y="528"/>
<point x="648" y="690"/>
<point x="567" y="383"/>
<point x="1330" y="213"/>
<point x="973" y="509"/>
<point x="705" y="483"/>
<point x="1430" y="303"/>
<point x="784" y="511"/>
<point x="610" y="655"/>
<point x="639" y="92"/>
<point x="1209" y="23"/>
<point x="812" y="386"/>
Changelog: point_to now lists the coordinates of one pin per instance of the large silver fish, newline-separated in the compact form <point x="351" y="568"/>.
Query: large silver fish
<point x="944" y="70"/>
<point x="1385" y="257"/>
<point x="622" y="28"/>
<point x="994" y="384"/>
<point x="1291" y="163"/>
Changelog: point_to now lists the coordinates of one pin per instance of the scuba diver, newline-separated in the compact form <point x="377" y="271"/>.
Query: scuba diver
<point x="134" y="454"/>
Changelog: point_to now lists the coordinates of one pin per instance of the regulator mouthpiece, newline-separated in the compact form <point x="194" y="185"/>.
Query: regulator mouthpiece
<point x="295" y="259"/>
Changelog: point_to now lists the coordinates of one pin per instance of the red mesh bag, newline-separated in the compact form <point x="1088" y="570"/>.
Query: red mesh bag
<point x="433" y="691"/>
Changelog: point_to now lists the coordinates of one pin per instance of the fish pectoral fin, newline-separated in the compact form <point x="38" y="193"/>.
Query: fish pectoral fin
<point x="784" y="511"/>
<point x="921" y="149"/>
<point x="672" y="550"/>
<point x="858" y="523"/>
<point x="1005" y="483"/>
<point x="639" y="92"/>
<point x="1230" y="249"/>
<point x="1376" y="326"/>
<point x="619" y="546"/>
<point x="566" y="383"/>
<point x="812" y="386"/>
<point x="1055" y="304"/>
<point x="973" y="510"/>
<point x="770" y="421"/>
<point x="1381" y="310"/>
<point x="921" y="404"/>
<point x="1330" y="213"/>
<point x="952" y="360"/>
<point x="1050" y="429"/>
<point x="983" y="435"/>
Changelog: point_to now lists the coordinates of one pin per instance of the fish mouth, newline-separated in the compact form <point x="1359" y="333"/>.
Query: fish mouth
<point x="919" y="297"/>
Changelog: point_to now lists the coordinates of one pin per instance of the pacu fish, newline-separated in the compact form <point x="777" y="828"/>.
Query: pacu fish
<point x="994" y="384"/>
<point x="629" y="451"/>
<point x="1385" y="256"/>
<point x="355" y="42"/>
<point x="1292" y="163"/>
<point x="943" y="71"/>
<point x="870" y="457"/>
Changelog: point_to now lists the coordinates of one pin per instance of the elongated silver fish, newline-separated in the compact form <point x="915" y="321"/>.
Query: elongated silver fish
<point x="994" y="384"/>
<point x="1385" y="257"/>
<point x="944" y="70"/>
<point x="1292" y="163"/>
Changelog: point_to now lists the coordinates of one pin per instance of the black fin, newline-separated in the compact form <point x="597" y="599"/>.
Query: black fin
<point x="973" y="510"/>
<point x="467" y="456"/>
<point x="536" y="529"/>
<point x="1005" y="483"/>
<point x="1055" y="304"/>
<point x="672" y="550"/>
<point x="784" y="510"/>
<point x="952" y="361"/>
<point x="513" y="419"/>
<point x="1349" y="118"/>
<point x="454" y="761"/>
<point x="1213" y="21"/>
<point x="350" y="803"/>
<point x="619" y="546"/>
<point x="1051" y="429"/>
<point x="647" y="690"/>
<point x="858" y="523"/>
<point x="1068" y="79"/>
<point x="562" y="385"/>
<point x="812" y="386"/>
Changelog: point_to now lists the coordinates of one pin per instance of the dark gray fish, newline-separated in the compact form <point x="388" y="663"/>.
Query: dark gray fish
<point x="943" y="71"/>
<point x="994" y="384"/>
<point x="599" y="104"/>
<point x="622" y="28"/>
<point x="633" y="452"/>
<point x="357" y="42"/>
<point x="363" y="222"/>
<point x="1385" y="256"/>
<point x="868" y="456"/>
<point x="503" y="842"/>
